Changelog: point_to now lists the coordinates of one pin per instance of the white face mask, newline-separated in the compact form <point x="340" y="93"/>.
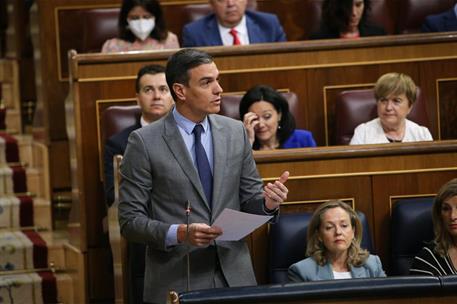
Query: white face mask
<point x="141" y="28"/>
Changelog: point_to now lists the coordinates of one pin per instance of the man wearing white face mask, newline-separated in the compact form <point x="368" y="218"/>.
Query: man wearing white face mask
<point x="141" y="27"/>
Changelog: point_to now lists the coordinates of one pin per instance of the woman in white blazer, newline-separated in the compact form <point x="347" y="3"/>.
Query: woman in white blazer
<point x="395" y="95"/>
<point x="334" y="237"/>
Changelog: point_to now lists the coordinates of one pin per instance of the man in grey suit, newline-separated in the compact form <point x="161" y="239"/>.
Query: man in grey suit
<point x="192" y="155"/>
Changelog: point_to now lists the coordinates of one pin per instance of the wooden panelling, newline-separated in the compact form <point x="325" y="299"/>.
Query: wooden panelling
<point x="60" y="165"/>
<point x="447" y="106"/>
<point x="10" y="94"/>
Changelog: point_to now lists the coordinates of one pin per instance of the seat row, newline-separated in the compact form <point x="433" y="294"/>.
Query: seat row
<point x="353" y="107"/>
<point x="89" y="28"/>
<point x="411" y="228"/>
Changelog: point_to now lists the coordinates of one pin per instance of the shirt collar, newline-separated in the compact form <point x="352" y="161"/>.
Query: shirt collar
<point x="186" y="124"/>
<point x="143" y="122"/>
<point x="241" y="28"/>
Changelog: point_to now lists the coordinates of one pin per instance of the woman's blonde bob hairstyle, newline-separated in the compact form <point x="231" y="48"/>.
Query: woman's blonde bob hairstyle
<point x="443" y="240"/>
<point x="315" y="247"/>
<point x="395" y="84"/>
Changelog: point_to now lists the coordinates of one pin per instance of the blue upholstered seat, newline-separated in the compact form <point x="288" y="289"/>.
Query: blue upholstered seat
<point x="288" y="243"/>
<point x="411" y="228"/>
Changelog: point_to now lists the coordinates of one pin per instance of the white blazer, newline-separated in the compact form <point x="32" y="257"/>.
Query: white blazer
<point x="372" y="133"/>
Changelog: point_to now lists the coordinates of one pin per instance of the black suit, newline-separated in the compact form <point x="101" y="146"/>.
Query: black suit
<point x="115" y="145"/>
<point x="364" y="30"/>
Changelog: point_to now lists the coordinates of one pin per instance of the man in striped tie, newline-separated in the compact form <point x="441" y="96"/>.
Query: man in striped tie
<point x="232" y="24"/>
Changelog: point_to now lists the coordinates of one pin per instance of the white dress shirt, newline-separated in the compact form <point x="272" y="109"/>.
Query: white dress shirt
<point x="242" y="30"/>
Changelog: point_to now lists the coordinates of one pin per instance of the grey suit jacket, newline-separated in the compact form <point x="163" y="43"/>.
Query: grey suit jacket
<point x="158" y="177"/>
<point x="308" y="270"/>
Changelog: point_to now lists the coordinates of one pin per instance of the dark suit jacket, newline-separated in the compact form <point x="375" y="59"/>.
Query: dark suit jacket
<point x="114" y="145"/>
<point x="158" y="177"/>
<point x="444" y="22"/>
<point x="364" y="30"/>
<point x="262" y="28"/>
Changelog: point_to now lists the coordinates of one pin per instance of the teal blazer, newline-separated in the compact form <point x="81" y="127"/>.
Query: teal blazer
<point x="308" y="270"/>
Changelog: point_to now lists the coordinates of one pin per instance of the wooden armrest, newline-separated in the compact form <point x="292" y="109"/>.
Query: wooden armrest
<point x="117" y="242"/>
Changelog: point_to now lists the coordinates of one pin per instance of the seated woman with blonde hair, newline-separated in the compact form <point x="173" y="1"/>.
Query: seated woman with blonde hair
<point x="440" y="257"/>
<point x="395" y="95"/>
<point x="334" y="236"/>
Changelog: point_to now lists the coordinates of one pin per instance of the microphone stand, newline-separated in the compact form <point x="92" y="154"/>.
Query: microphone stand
<point x="188" y="244"/>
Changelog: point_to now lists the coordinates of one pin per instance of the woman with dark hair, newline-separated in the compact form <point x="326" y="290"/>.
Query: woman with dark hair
<point x="141" y="27"/>
<point x="346" y="19"/>
<point x="440" y="257"/>
<point x="334" y="236"/>
<point x="268" y="122"/>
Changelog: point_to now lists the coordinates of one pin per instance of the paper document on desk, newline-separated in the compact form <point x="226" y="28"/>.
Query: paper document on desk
<point x="236" y="224"/>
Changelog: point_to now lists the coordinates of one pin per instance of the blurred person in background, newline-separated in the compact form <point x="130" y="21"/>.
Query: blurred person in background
<point x="346" y="19"/>
<point x="141" y="27"/>
<point x="444" y="22"/>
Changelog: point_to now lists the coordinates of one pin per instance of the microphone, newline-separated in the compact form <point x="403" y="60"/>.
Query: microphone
<point x="188" y="245"/>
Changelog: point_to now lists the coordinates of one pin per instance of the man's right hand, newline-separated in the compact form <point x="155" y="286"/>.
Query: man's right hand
<point x="200" y="235"/>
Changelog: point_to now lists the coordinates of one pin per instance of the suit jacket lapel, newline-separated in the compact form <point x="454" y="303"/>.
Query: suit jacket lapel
<point x="254" y="32"/>
<point x="358" y="272"/>
<point x="324" y="272"/>
<point x="212" y="30"/>
<point x="220" y="148"/>
<point x="179" y="151"/>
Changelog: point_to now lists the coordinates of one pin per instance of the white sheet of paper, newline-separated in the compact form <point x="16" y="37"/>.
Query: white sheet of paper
<point x="237" y="224"/>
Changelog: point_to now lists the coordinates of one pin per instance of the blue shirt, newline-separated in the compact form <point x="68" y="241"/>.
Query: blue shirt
<point x="185" y="127"/>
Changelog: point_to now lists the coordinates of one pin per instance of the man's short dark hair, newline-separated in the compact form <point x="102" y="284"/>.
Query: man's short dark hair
<point x="181" y="62"/>
<point x="151" y="69"/>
